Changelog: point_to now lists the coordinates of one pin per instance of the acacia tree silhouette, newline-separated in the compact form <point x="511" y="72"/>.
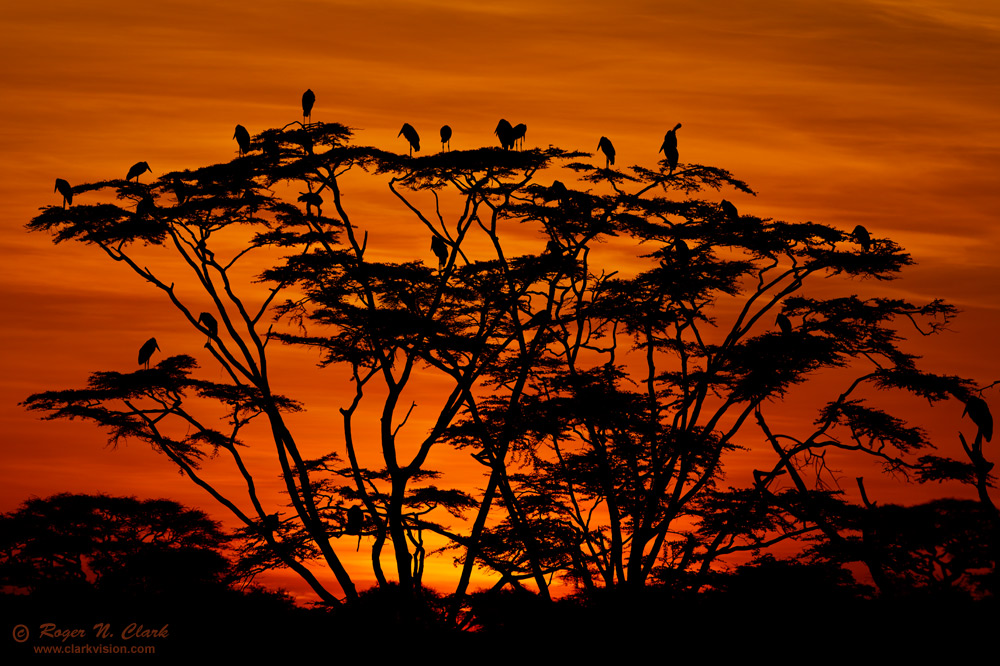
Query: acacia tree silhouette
<point x="603" y="406"/>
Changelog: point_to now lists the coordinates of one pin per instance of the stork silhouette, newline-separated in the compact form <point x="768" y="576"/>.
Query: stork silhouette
<point x="308" y="99"/>
<point x="242" y="137"/>
<point x="558" y="191"/>
<point x="517" y="133"/>
<point x="445" y="136"/>
<point x="604" y="145"/>
<point x="146" y="351"/>
<point x="441" y="250"/>
<point x="180" y="189"/>
<point x="729" y="210"/>
<point x="862" y="237"/>
<point x="137" y="170"/>
<point x="63" y="187"/>
<point x="669" y="147"/>
<point x="210" y="324"/>
<point x="784" y="323"/>
<point x="411" y="136"/>
<point x="979" y="412"/>
<point x="145" y="206"/>
<point x="505" y="133"/>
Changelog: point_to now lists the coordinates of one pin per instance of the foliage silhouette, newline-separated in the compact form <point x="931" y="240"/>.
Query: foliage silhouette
<point x="603" y="400"/>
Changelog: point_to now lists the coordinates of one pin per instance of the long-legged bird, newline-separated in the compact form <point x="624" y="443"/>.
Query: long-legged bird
<point x="441" y="250"/>
<point x="604" y="145"/>
<point x="505" y="133"/>
<point x="445" y="136"/>
<point x="63" y="187"/>
<point x="518" y="132"/>
<point x="146" y="351"/>
<point x="669" y="147"/>
<point x="862" y="237"/>
<point x="210" y="324"/>
<point x="410" y="134"/>
<point x="979" y="412"/>
<point x="242" y="137"/>
<point x="308" y="99"/>
<point x="137" y="170"/>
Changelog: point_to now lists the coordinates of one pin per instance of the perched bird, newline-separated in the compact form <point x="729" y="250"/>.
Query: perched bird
<point x="669" y="147"/>
<point x="411" y="136"/>
<point x="441" y="250"/>
<point x="862" y="237"/>
<point x="979" y="412"/>
<point x="308" y="99"/>
<point x="558" y="191"/>
<point x="63" y="188"/>
<point x="180" y="189"/>
<point x="604" y="145"/>
<point x="210" y="324"/>
<point x="682" y="251"/>
<point x="137" y="170"/>
<point x="729" y="210"/>
<point x="518" y="132"/>
<point x="146" y="351"/>
<point x="145" y="206"/>
<point x="311" y="199"/>
<point x="242" y="137"/>
<point x="271" y="522"/>
<point x="355" y="520"/>
<point x="784" y="323"/>
<point x="505" y="133"/>
<point x="446" y="136"/>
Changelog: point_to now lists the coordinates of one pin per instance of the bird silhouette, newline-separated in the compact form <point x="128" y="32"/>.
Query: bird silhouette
<point x="210" y="324"/>
<point x="441" y="250"/>
<point x="180" y="189"/>
<point x="308" y="99"/>
<point x="669" y="147"/>
<point x="518" y="132"/>
<point x="355" y="519"/>
<point x="784" y="323"/>
<point x="146" y="351"/>
<point x="137" y="170"/>
<point x="445" y="136"/>
<point x="604" y="145"/>
<point x="242" y="137"/>
<point x="979" y="412"/>
<point x="729" y="210"/>
<point x="505" y="133"/>
<point x="682" y="251"/>
<point x="146" y="206"/>
<point x="311" y="199"/>
<point x="862" y="237"/>
<point x="410" y="134"/>
<point x="63" y="187"/>
<point x="558" y="191"/>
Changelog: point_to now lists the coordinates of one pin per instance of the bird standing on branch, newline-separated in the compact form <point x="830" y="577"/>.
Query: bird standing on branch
<point x="63" y="188"/>
<point x="311" y="199"/>
<point x="669" y="147"/>
<point x="729" y="210"/>
<point x="146" y="351"/>
<point x="505" y="133"/>
<point x="979" y="412"/>
<point x="445" y="136"/>
<point x="411" y="136"/>
<point x="441" y="250"/>
<point x="518" y="132"/>
<point x="308" y="99"/>
<point x="862" y="237"/>
<point x="604" y="145"/>
<point x="210" y="324"/>
<point x="784" y="323"/>
<point x="242" y="137"/>
<point x="137" y="170"/>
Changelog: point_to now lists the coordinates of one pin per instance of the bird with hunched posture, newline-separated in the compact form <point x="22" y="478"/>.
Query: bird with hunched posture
<point x="440" y="250"/>
<point x="518" y="132"/>
<point x="862" y="237"/>
<point x="308" y="99"/>
<point x="145" y="206"/>
<point x="242" y="137"/>
<point x="445" y="136"/>
<point x="137" y="170"/>
<point x="210" y="324"/>
<point x="784" y="323"/>
<point x="729" y="210"/>
<point x="505" y="133"/>
<point x="180" y="189"/>
<point x="604" y="145"/>
<point x="311" y="199"/>
<point x="669" y="147"/>
<point x="63" y="187"/>
<point x="146" y="351"/>
<point x="558" y="191"/>
<point x="411" y="136"/>
<point x="979" y="412"/>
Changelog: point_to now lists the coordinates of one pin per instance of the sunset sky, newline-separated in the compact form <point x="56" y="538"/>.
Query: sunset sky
<point x="876" y="112"/>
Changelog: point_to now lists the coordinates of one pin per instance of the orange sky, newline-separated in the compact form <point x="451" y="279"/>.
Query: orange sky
<point x="880" y="112"/>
